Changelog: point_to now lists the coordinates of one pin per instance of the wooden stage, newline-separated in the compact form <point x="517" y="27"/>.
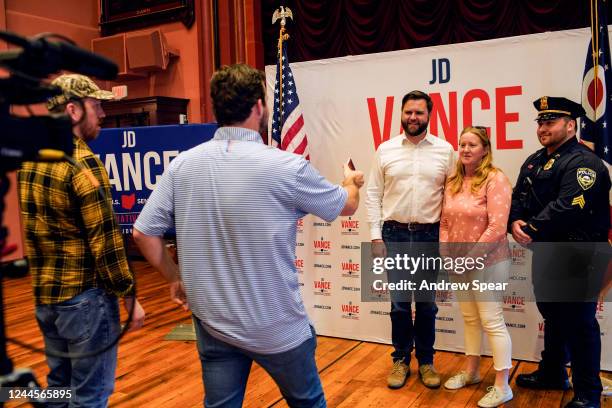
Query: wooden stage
<point x="153" y="372"/>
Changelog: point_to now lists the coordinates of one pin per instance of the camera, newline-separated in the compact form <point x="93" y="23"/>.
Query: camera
<point x="23" y="73"/>
<point x="28" y="66"/>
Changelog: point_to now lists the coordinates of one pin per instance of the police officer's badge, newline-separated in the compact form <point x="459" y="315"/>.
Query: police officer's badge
<point x="586" y="177"/>
<point x="549" y="164"/>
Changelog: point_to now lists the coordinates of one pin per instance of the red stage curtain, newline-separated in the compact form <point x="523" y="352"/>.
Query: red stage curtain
<point x="335" y="28"/>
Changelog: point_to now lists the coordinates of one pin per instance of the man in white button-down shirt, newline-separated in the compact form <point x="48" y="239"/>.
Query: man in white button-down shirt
<point x="404" y="201"/>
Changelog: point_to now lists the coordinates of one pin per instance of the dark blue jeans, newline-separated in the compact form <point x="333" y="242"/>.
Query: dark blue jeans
<point x="225" y="371"/>
<point x="406" y="334"/>
<point x="82" y="324"/>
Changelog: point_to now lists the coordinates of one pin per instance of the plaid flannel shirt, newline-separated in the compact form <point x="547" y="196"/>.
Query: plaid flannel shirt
<point x="73" y="242"/>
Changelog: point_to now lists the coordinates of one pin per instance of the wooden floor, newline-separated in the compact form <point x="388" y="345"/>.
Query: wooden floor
<point x="153" y="372"/>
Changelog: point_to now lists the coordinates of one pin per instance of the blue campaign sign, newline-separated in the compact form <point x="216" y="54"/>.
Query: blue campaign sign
<point x="136" y="157"/>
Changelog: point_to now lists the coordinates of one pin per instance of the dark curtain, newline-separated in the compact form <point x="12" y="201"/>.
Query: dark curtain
<point x="335" y="28"/>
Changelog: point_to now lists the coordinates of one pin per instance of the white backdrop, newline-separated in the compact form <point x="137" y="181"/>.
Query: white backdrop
<point x="350" y="102"/>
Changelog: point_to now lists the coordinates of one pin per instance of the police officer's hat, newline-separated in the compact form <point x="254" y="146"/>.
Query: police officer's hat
<point x="551" y="107"/>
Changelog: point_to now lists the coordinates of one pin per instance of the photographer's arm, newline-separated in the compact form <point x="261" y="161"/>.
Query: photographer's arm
<point x="156" y="217"/>
<point x="154" y="251"/>
<point x="353" y="181"/>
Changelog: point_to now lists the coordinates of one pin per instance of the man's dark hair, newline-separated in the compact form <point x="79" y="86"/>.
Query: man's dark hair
<point x="234" y="89"/>
<point x="418" y="95"/>
<point x="567" y="119"/>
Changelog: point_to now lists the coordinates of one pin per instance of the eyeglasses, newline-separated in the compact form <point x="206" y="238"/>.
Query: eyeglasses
<point x="483" y="129"/>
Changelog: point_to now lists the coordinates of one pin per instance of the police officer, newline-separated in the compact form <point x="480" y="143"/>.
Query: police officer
<point x="561" y="196"/>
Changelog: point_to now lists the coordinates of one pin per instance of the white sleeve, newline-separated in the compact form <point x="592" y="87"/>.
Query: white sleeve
<point x="452" y="163"/>
<point x="374" y="197"/>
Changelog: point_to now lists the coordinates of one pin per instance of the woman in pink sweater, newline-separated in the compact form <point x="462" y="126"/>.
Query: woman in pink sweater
<point x="475" y="210"/>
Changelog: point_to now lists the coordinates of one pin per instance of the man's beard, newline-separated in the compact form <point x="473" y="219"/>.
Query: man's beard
<point x="419" y="130"/>
<point x="552" y="140"/>
<point x="89" y="131"/>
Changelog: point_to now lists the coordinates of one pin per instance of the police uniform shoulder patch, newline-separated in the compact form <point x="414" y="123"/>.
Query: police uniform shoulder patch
<point x="586" y="177"/>
<point x="549" y="164"/>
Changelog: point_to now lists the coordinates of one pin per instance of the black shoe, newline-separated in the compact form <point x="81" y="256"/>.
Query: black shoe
<point x="538" y="381"/>
<point x="582" y="403"/>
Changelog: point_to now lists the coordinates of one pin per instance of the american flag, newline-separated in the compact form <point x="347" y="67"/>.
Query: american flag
<point x="288" y="132"/>
<point x="597" y="89"/>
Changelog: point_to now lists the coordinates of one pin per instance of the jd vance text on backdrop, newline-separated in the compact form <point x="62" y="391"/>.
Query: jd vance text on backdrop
<point x="352" y="104"/>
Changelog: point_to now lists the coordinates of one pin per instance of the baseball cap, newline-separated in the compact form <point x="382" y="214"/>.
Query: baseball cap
<point x="76" y="86"/>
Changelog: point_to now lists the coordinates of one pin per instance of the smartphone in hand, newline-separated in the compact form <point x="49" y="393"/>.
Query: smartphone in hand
<point x="350" y="164"/>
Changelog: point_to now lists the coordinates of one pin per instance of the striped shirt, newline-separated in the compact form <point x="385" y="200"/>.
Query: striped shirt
<point x="235" y="203"/>
<point x="73" y="242"/>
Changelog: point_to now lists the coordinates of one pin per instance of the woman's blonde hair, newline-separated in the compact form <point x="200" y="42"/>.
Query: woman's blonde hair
<point x="484" y="168"/>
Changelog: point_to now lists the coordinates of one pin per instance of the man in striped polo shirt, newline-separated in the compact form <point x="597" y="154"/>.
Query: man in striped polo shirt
<point x="234" y="203"/>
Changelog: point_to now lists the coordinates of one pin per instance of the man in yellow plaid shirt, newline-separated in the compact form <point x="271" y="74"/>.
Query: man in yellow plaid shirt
<point x="75" y="252"/>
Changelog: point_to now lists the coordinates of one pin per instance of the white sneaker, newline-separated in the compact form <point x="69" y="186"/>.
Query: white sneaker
<point x="460" y="380"/>
<point x="607" y="387"/>
<point x="495" y="397"/>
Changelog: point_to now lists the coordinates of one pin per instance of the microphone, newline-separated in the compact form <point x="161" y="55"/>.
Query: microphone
<point x="73" y="58"/>
<point x="41" y="57"/>
<point x="24" y="90"/>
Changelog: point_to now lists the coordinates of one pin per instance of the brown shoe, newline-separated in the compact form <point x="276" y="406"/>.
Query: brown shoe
<point x="429" y="377"/>
<point x="399" y="373"/>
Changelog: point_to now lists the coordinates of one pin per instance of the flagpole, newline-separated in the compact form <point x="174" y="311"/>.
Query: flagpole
<point x="281" y="14"/>
<point x="595" y="50"/>
<point x="288" y="130"/>
<point x="281" y="37"/>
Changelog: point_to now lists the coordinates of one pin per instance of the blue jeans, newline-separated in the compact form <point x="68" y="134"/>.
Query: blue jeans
<point x="82" y="324"/>
<point x="225" y="370"/>
<point x="406" y="334"/>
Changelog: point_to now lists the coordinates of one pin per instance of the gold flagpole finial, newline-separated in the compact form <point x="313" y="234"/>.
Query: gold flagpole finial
<point x="283" y="13"/>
